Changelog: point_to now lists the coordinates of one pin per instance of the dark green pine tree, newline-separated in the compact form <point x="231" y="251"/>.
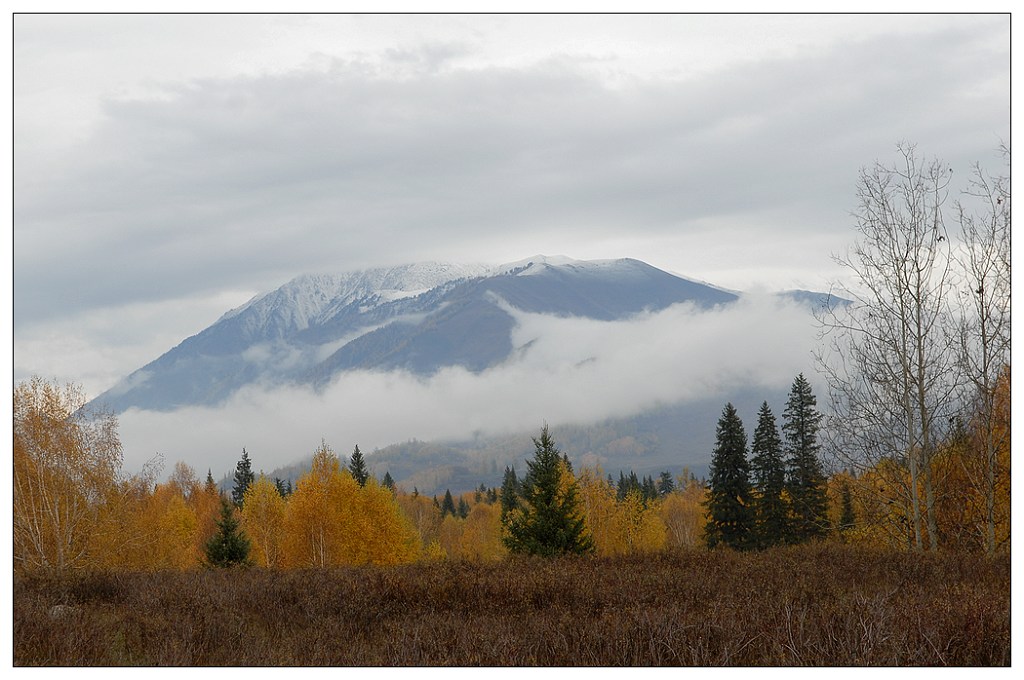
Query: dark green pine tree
<point x="768" y="474"/>
<point x="463" y="509"/>
<point x="243" y="478"/>
<point x="211" y="485"/>
<point x="510" y="489"/>
<point x="649" y="490"/>
<point x="448" y="504"/>
<point x="357" y="466"/>
<point x="731" y="516"/>
<point x="666" y="484"/>
<point x="627" y="484"/>
<point x="806" y="478"/>
<point x="229" y="547"/>
<point x="388" y="481"/>
<point x="550" y="520"/>
<point x="284" y="489"/>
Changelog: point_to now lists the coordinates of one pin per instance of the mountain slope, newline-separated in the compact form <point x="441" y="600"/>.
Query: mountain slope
<point x="418" y="318"/>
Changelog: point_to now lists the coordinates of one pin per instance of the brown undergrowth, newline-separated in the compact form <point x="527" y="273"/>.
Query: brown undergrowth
<point x="807" y="605"/>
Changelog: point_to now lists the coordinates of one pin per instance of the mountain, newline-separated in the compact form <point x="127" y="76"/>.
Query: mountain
<point x="418" y="318"/>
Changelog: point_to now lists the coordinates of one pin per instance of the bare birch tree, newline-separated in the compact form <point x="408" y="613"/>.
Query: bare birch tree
<point x="984" y="259"/>
<point x="890" y="361"/>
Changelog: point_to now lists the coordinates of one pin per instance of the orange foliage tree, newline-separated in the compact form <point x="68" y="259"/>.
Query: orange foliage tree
<point x="170" y="528"/>
<point x="421" y="511"/>
<point x="330" y="520"/>
<point x="618" y="526"/>
<point x="263" y="514"/>
<point x="66" y="462"/>
<point x="684" y="513"/>
<point x="477" y="537"/>
<point x="974" y="511"/>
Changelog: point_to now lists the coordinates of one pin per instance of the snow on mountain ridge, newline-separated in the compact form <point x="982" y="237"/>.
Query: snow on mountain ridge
<point x="313" y="298"/>
<point x="551" y="260"/>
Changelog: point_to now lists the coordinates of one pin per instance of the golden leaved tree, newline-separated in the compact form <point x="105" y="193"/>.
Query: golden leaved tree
<point x="330" y="520"/>
<point x="263" y="513"/>
<point x="66" y="462"/>
<point x="598" y="500"/>
<point x="640" y="527"/>
<point x="684" y="513"/>
<point x="314" y="519"/>
<point x="383" y="535"/>
<point x="477" y="537"/>
<point x="619" y="526"/>
<point x="170" y="527"/>
<point x="424" y="515"/>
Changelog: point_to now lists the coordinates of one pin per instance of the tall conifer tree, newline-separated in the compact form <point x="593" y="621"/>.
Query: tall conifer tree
<point x="211" y="485"/>
<point x="731" y="516"/>
<point x="768" y="472"/>
<point x="244" y="477"/>
<point x="229" y="547"/>
<point x="550" y="518"/>
<point x="509" y="491"/>
<point x="357" y="466"/>
<point x="448" y="504"/>
<point x="806" y="477"/>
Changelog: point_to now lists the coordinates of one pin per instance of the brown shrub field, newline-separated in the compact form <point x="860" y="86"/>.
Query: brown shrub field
<point x="823" y="604"/>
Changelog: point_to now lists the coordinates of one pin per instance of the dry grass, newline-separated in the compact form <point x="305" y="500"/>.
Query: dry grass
<point x="814" y="605"/>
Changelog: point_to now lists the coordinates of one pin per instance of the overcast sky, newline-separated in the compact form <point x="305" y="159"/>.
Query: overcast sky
<point x="167" y="168"/>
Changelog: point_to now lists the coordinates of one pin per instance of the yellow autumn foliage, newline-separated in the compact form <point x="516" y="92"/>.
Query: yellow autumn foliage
<point x="263" y="513"/>
<point x="330" y="520"/>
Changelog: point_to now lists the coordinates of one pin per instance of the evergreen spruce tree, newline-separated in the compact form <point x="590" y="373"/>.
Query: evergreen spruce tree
<point x="283" y="488"/>
<point x="463" y="509"/>
<point x="806" y="478"/>
<point x="211" y="485"/>
<point x="448" y="504"/>
<point x="768" y="473"/>
<point x="229" y="547"/>
<point x="649" y="491"/>
<point x="388" y="481"/>
<point x="666" y="484"/>
<point x="550" y="520"/>
<point x="243" y="478"/>
<point x="509" y="492"/>
<point x="627" y="484"/>
<point x="357" y="466"/>
<point x="731" y="517"/>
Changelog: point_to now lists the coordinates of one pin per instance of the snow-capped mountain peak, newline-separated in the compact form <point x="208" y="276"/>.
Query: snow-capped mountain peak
<point x="313" y="298"/>
<point x="418" y="318"/>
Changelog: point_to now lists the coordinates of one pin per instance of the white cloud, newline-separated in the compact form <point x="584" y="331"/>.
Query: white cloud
<point x="572" y="371"/>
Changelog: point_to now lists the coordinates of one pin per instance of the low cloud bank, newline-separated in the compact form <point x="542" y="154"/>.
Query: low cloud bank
<point x="564" y="370"/>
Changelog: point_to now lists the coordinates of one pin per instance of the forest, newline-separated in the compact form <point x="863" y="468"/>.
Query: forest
<point x="874" y="529"/>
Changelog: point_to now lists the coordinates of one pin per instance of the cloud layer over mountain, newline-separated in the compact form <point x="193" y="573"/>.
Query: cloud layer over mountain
<point x="571" y="370"/>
